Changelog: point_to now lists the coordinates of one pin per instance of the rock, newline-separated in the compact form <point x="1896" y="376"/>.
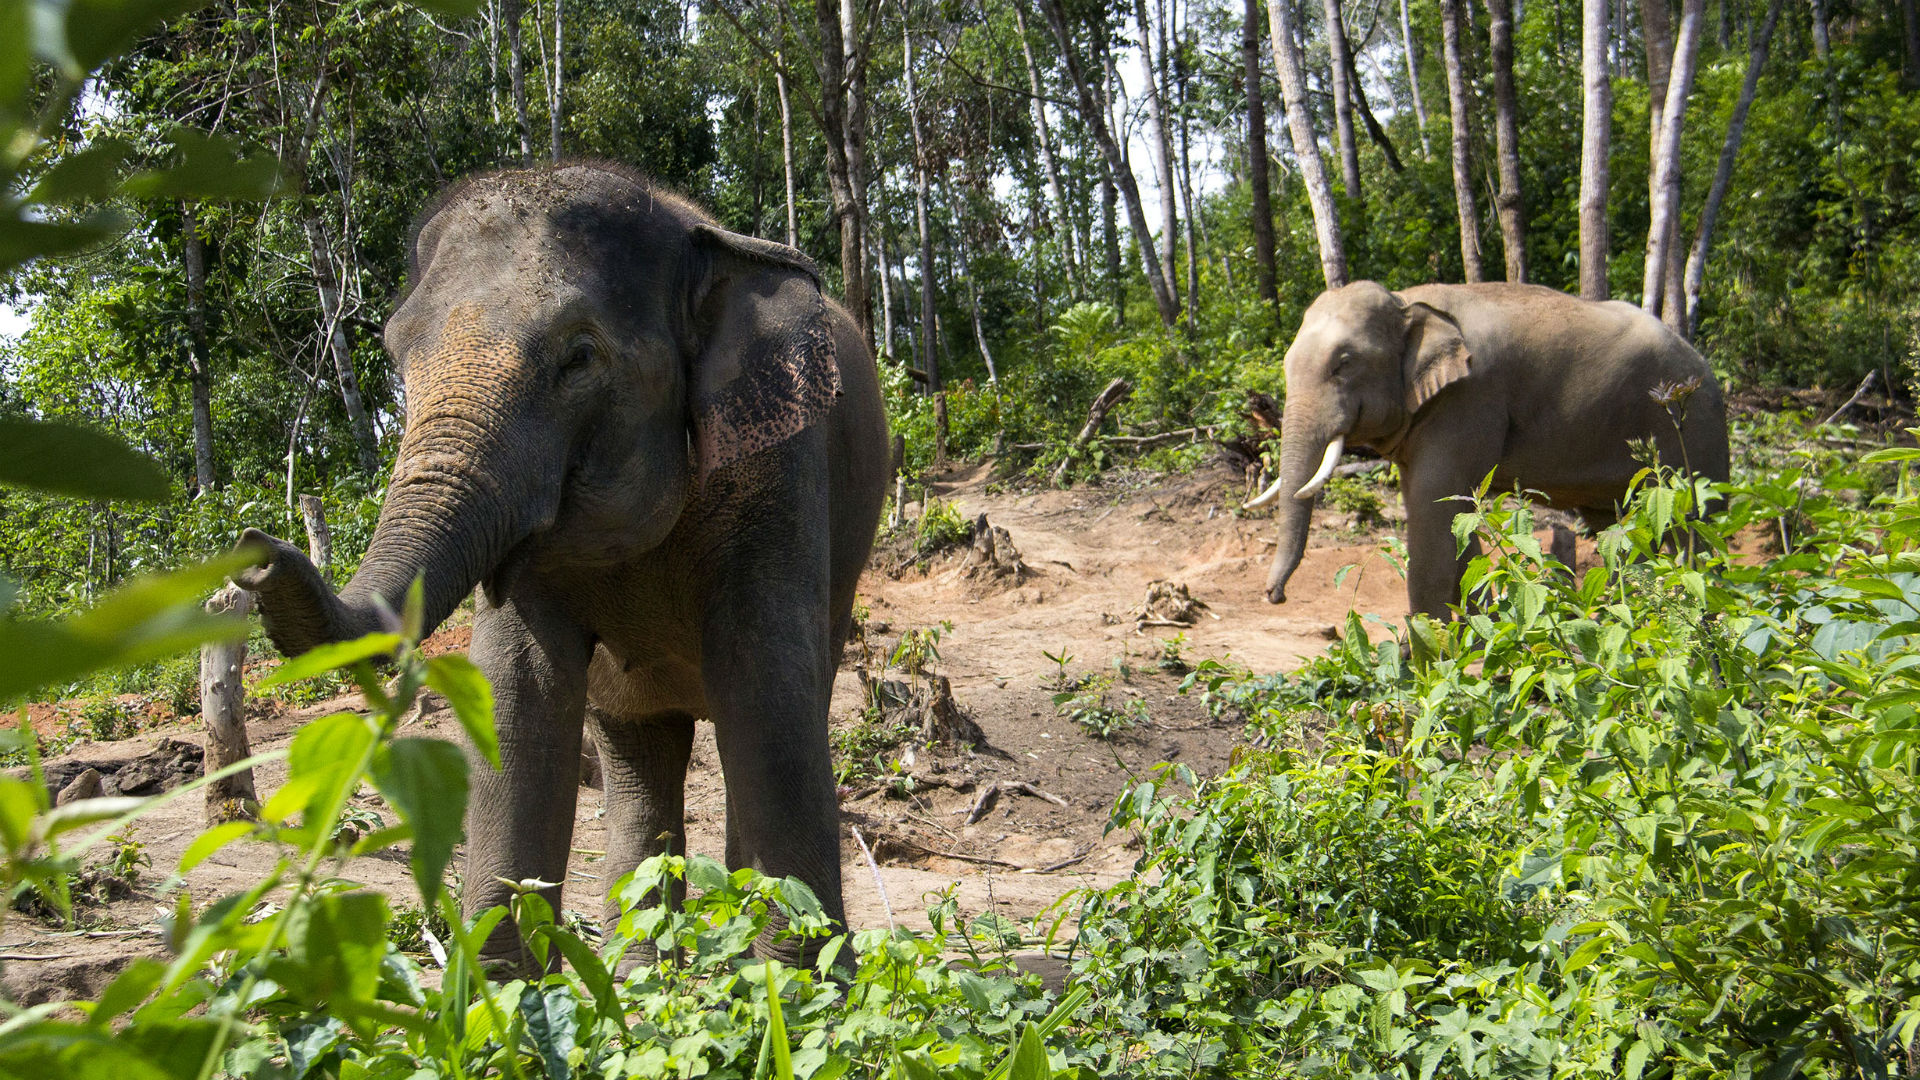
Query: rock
<point x="84" y="786"/>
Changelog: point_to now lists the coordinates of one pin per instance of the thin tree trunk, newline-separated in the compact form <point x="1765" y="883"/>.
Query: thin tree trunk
<point x="326" y="281"/>
<point x="859" y="297"/>
<point x="193" y="254"/>
<point x="493" y="60"/>
<point x="1822" y="44"/>
<point x="1097" y="123"/>
<point x="554" y="107"/>
<point x="1723" y="175"/>
<point x="878" y="238"/>
<point x="973" y="288"/>
<point x="1509" y="206"/>
<point x="1462" y="166"/>
<point x="1265" y="275"/>
<point x="1186" y="185"/>
<point x="929" y="357"/>
<point x="1160" y="149"/>
<point x="1596" y="140"/>
<point x="313" y="514"/>
<point x="1062" y="216"/>
<point x="517" y="73"/>
<point x="1306" y="145"/>
<point x="1110" y="241"/>
<point x="1340" y="83"/>
<point x="786" y="145"/>
<point x="1413" y="79"/>
<point x="830" y="63"/>
<point x="1910" y="34"/>
<point x="1374" y="131"/>
<point x="1663" y="226"/>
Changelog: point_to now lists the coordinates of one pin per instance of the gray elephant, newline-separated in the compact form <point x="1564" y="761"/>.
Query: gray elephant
<point x="660" y="453"/>
<point x="1451" y="382"/>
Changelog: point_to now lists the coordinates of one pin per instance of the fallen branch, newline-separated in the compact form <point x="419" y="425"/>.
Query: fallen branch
<point x="1028" y="789"/>
<point x="991" y="795"/>
<point x="875" y="868"/>
<point x="40" y="956"/>
<point x="1069" y="861"/>
<point x="1865" y="385"/>
<point x="981" y="860"/>
<point x="1104" y="402"/>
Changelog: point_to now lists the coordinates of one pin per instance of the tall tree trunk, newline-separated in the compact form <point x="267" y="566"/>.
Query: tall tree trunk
<point x="1341" y="81"/>
<point x="854" y="54"/>
<point x="1187" y="219"/>
<point x="1110" y="241"/>
<point x="1167" y="304"/>
<point x="1822" y="44"/>
<point x="1062" y="216"/>
<point x="1510" y="206"/>
<point x="512" y="10"/>
<point x="878" y="239"/>
<point x="1723" y="175"/>
<point x="493" y="60"/>
<point x="830" y="63"/>
<point x="786" y="144"/>
<point x="1664" y="224"/>
<point x="1596" y="141"/>
<point x="1411" y="51"/>
<point x="1910" y="34"/>
<point x="1462" y="167"/>
<point x="1265" y="276"/>
<point x="929" y="356"/>
<point x="1160" y="148"/>
<point x="339" y="344"/>
<point x="1306" y="145"/>
<point x="193" y="256"/>
<point x="555" y="109"/>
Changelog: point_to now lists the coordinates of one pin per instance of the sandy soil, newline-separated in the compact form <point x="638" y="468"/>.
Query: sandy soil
<point x="1092" y="552"/>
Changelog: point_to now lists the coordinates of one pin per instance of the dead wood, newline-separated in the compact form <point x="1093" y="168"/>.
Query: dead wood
<point x="1104" y="402"/>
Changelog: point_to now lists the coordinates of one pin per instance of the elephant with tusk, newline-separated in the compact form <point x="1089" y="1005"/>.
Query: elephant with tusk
<point x="659" y="452"/>
<point x="1451" y="382"/>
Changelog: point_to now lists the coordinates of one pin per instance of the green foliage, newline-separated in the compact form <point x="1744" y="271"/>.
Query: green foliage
<point x="1087" y="703"/>
<point x="940" y="527"/>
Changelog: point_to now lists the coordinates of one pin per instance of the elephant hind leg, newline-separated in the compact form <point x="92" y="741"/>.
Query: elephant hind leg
<point x="643" y="765"/>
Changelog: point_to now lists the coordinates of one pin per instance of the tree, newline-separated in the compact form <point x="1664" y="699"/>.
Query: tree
<point x="1341" y="85"/>
<point x="1664" y="218"/>
<point x="1037" y="103"/>
<point x="1094" y="115"/>
<point x="1409" y="50"/>
<point x="193" y="258"/>
<point x="1510" y="206"/>
<point x="1257" y="168"/>
<point x="1596" y="140"/>
<point x="1306" y="145"/>
<point x="1159" y="145"/>
<point x="1462" y="138"/>
<point x="1723" y="174"/>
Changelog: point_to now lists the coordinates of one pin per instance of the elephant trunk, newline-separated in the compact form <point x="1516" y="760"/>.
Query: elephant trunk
<point x="460" y="499"/>
<point x="1303" y="445"/>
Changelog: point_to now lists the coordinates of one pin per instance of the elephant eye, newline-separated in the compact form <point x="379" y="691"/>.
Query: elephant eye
<point x="578" y="357"/>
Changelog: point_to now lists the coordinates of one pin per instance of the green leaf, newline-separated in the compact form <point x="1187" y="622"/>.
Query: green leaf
<point x="178" y="1046"/>
<point x="66" y="459"/>
<point x="551" y="1026"/>
<point x="92" y="173"/>
<point x="1029" y="1060"/>
<point x="593" y="974"/>
<point x="206" y="166"/>
<point x="143" y="620"/>
<point x="457" y="9"/>
<point x="334" y="947"/>
<point x="459" y="681"/>
<point x="127" y="990"/>
<point x="331" y="657"/>
<point x="212" y="840"/>
<point x="16" y="52"/>
<point x="426" y="781"/>
<point x="98" y="30"/>
<point x="321" y="762"/>
<point x="25" y="239"/>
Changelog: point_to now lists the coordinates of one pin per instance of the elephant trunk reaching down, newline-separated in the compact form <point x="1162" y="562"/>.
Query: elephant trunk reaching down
<point x="1299" y="446"/>
<point x="449" y="520"/>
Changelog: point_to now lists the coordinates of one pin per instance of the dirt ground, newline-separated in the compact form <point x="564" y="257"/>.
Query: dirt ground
<point x="1090" y="554"/>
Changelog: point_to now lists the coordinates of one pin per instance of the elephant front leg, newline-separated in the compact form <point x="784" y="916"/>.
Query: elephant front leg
<point x="520" y="819"/>
<point x="643" y="763"/>
<point x="1435" y="561"/>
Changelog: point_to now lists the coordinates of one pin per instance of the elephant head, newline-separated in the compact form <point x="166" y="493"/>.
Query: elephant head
<point x="582" y="354"/>
<point x="1363" y="365"/>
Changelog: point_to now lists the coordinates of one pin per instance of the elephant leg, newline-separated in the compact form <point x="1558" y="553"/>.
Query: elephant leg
<point x="520" y="819"/>
<point x="643" y="762"/>
<point x="768" y="687"/>
<point x="1434" y="561"/>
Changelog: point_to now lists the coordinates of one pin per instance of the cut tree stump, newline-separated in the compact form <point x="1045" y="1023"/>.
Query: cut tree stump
<point x="941" y="721"/>
<point x="993" y="554"/>
<point x="223" y="697"/>
<point x="319" y="538"/>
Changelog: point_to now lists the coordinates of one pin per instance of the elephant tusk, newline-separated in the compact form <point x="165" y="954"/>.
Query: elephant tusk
<point x="1312" y="487"/>
<point x="1267" y="496"/>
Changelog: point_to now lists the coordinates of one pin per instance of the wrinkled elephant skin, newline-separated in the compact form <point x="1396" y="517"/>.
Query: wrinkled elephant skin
<point x="1453" y="382"/>
<point x="660" y="454"/>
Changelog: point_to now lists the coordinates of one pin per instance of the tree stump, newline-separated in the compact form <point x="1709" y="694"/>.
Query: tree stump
<point x="941" y="721"/>
<point x="993" y="554"/>
<point x="319" y="538"/>
<point x="222" y="704"/>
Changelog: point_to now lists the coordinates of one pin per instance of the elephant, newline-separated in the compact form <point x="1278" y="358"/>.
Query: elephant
<point x="660" y="454"/>
<point x="1452" y="382"/>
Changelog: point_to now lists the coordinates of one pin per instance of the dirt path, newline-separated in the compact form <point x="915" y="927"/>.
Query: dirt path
<point x="1092" y="552"/>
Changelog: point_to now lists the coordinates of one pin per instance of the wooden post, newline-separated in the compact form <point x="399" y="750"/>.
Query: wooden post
<point x="222" y="703"/>
<point x="319" y="537"/>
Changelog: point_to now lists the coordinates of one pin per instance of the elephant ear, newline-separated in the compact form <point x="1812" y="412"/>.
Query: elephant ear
<point x="766" y="368"/>
<point x="1436" y="355"/>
